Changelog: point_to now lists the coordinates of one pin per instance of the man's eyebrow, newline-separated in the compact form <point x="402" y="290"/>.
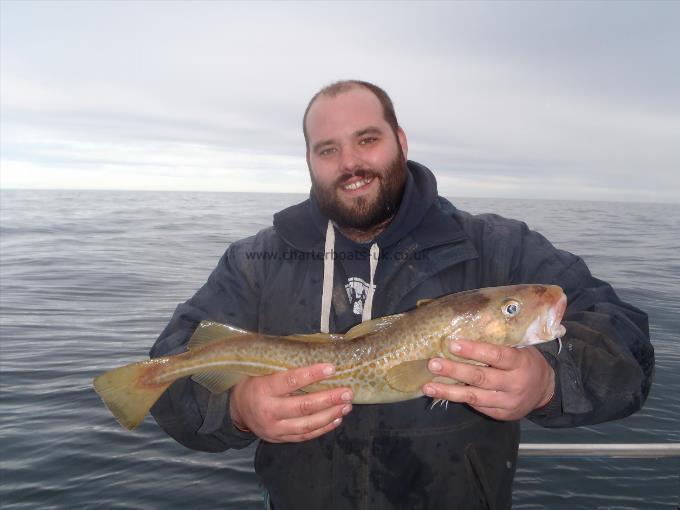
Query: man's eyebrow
<point x="371" y="130"/>
<point x="320" y="144"/>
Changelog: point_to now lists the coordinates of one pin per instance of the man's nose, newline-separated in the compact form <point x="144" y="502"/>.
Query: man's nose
<point x="350" y="159"/>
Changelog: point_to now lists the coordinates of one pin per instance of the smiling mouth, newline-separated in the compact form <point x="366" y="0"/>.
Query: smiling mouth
<point x="357" y="184"/>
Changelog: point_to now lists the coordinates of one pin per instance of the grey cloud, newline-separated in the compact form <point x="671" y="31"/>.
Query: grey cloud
<point x="583" y="92"/>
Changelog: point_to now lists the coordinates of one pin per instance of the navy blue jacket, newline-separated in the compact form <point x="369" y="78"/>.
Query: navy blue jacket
<point x="405" y="455"/>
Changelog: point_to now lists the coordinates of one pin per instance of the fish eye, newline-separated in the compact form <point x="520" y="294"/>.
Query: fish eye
<point x="511" y="308"/>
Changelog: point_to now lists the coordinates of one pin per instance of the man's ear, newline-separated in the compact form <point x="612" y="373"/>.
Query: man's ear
<point x="401" y="136"/>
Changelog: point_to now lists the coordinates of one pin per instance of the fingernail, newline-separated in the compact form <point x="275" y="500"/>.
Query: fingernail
<point x="429" y="391"/>
<point x="435" y="365"/>
<point x="346" y="396"/>
<point x="346" y="410"/>
<point x="337" y="421"/>
<point x="455" y="347"/>
<point x="328" y="370"/>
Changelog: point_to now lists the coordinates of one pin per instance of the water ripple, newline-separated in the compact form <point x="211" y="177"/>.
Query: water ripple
<point x="88" y="280"/>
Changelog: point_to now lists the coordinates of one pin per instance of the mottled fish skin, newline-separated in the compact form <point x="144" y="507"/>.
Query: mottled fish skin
<point x="362" y="363"/>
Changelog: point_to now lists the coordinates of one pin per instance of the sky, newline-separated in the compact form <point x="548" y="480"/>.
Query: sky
<point x="573" y="100"/>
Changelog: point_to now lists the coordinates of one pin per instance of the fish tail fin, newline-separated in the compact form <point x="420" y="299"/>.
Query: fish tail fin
<point x="127" y="397"/>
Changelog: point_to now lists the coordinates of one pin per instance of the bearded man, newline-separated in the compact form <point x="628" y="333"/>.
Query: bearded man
<point x="374" y="238"/>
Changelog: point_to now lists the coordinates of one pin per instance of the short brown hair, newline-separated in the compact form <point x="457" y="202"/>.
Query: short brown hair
<point x="339" y="87"/>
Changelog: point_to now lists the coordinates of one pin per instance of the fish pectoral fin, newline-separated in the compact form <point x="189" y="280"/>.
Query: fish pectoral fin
<point x="409" y="376"/>
<point x="217" y="381"/>
<point x="208" y="332"/>
<point x="316" y="338"/>
<point x="372" y="326"/>
<point x="423" y="302"/>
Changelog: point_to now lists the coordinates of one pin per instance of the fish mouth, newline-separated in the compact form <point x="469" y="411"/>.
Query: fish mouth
<point x="547" y="326"/>
<point x="553" y="327"/>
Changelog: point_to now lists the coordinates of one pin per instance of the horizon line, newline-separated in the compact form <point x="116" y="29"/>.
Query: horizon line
<point x="487" y="197"/>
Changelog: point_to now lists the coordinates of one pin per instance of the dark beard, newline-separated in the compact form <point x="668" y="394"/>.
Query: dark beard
<point x="363" y="215"/>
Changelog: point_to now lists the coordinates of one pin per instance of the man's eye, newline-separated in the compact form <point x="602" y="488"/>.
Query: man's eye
<point x="365" y="141"/>
<point x="326" y="152"/>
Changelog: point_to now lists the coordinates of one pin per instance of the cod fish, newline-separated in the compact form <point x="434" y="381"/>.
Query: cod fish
<point x="382" y="360"/>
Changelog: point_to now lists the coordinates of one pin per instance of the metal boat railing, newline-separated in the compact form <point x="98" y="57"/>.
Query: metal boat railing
<point x="621" y="450"/>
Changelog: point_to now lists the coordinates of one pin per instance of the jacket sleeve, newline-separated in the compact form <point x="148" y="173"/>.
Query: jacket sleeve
<point x="186" y="411"/>
<point x="604" y="364"/>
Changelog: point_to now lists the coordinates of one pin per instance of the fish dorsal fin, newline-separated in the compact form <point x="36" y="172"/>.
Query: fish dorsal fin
<point x="409" y="376"/>
<point x="217" y="381"/>
<point x="316" y="338"/>
<point x="208" y="332"/>
<point x="372" y="326"/>
<point x="423" y="302"/>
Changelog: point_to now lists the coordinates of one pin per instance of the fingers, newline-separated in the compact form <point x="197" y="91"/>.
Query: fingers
<point x="266" y="406"/>
<point x="311" y="403"/>
<point x="511" y="383"/>
<point x="488" y="386"/>
<point x="286" y="382"/>
<point x="475" y="397"/>
<point x="314" y="425"/>
<point x="296" y="438"/>
<point x="498" y="356"/>
<point x="478" y="376"/>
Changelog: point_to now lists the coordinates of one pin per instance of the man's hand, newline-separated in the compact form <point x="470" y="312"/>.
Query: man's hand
<point x="265" y="406"/>
<point x="515" y="382"/>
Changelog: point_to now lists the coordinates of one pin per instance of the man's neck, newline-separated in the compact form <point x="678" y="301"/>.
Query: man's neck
<point x="365" y="235"/>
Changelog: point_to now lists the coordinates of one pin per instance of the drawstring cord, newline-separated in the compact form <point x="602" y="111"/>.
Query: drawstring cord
<point x="368" y="305"/>
<point x="328" y="268"/>
<point x="328" y="265"/>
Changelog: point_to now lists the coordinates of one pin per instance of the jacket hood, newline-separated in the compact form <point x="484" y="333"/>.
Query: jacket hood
<point x="420" y="192"/>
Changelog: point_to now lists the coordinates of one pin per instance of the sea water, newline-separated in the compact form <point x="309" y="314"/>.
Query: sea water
<point x="89" y="278"/>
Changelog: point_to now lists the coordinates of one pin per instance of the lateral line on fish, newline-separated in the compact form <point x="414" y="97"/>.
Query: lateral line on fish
<point x="221" y="365"/>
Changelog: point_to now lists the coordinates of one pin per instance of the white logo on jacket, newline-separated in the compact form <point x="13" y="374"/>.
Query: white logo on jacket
<point x="357" y="290"/>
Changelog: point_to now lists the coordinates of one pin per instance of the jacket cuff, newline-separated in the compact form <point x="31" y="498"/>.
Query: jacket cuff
<point x="217" y="419"/>
<point x="553" y="408"/>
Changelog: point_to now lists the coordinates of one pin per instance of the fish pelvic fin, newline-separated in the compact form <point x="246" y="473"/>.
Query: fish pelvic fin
<point x="208" y="332"/>
<point x="126" y="395"/>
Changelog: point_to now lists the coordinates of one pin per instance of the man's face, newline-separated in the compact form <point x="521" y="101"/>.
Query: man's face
<point x="357" y="164"/>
